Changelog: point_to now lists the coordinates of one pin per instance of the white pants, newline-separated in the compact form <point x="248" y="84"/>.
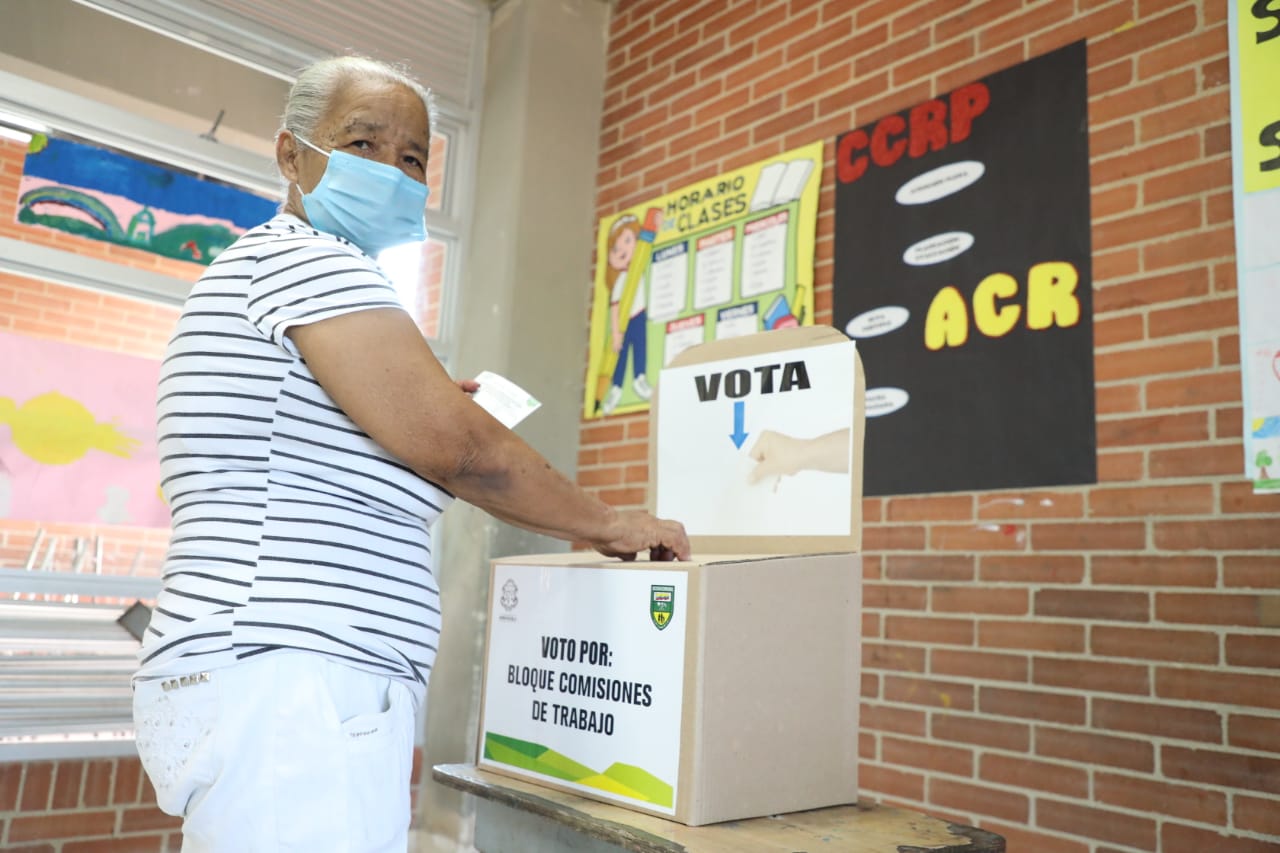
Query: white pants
<point x="284" y="752"/>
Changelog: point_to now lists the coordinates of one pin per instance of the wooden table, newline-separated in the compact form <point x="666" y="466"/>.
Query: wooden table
<point x="519" y="817"/>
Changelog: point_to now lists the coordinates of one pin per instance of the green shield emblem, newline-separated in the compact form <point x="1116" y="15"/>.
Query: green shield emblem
<point x="662" y="605"/>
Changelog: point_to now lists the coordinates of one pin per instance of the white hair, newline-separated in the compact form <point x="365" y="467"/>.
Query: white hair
<point x="316" y="86"/>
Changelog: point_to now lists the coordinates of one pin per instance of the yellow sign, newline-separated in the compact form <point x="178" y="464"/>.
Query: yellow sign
<point x="728" y="256"/>
<point x="1254" y="27"/>
<point x="1258" y="38"/>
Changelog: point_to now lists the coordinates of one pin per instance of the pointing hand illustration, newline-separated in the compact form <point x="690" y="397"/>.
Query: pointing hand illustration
<point x="778" y="455"/>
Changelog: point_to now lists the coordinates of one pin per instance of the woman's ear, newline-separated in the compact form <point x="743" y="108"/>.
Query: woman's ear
<point x="287" y="155"/>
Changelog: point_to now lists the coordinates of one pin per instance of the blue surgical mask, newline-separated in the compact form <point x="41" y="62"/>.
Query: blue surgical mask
<point x="373" y="205"/>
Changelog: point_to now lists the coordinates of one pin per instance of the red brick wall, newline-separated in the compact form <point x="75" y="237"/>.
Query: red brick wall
<point x="103" y="804"/>
<point x="1080" y="669"/>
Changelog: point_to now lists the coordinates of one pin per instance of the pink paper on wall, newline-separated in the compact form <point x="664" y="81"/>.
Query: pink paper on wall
<point x="78" y="435"/>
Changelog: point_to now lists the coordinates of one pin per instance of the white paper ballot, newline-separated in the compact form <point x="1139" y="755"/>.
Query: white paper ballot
<point x="504" y="399"/>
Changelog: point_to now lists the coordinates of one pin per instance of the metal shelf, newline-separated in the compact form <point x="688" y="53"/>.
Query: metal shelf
<point x="65" y="663"/>
<point x="59" y="584"/>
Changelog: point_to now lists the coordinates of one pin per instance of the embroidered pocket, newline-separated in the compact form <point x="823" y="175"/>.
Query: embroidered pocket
<point x="174" y="737"/>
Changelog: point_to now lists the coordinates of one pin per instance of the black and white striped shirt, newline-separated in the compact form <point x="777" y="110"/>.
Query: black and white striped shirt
<point x="292" y="529"/>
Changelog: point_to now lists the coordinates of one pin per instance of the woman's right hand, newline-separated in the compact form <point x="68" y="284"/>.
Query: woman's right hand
<point x="631" y="531"/>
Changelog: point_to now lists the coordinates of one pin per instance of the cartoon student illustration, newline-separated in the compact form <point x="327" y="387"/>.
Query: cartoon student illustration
<point x="630" y="247"/>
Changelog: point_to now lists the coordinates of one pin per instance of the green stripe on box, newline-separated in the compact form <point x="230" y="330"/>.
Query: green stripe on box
<point x="627" y="780"/>
<point x="650" y="787"/>
<point x="533" y="750"/>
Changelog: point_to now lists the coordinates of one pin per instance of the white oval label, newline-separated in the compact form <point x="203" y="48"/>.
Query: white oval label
<point x="938" y="248"/>
<point x="885" y="401"/>
<point x="940" y="182"/>
<point x="877" y="321"/>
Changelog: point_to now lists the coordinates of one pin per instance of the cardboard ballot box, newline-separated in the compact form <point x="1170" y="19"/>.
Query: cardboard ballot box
<point x="725" y="687"/>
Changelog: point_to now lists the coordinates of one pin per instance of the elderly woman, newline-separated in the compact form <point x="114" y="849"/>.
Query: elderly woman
<point x="308" y="439"/>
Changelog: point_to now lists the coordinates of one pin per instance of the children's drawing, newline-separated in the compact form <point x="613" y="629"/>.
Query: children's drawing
<point x="54" y="429"/>
<point x="78" y="435"/>
<point x="104" y="195"/>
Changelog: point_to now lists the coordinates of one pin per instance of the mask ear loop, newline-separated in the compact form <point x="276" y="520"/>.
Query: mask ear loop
<point x="313" y="147"/>
<point x="310" y="144"/>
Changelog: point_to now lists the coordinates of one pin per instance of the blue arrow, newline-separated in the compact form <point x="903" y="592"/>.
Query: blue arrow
<point x="739" y="415"/>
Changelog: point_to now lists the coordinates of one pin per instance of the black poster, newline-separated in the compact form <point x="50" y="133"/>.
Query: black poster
<point x="962" y="269"/>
